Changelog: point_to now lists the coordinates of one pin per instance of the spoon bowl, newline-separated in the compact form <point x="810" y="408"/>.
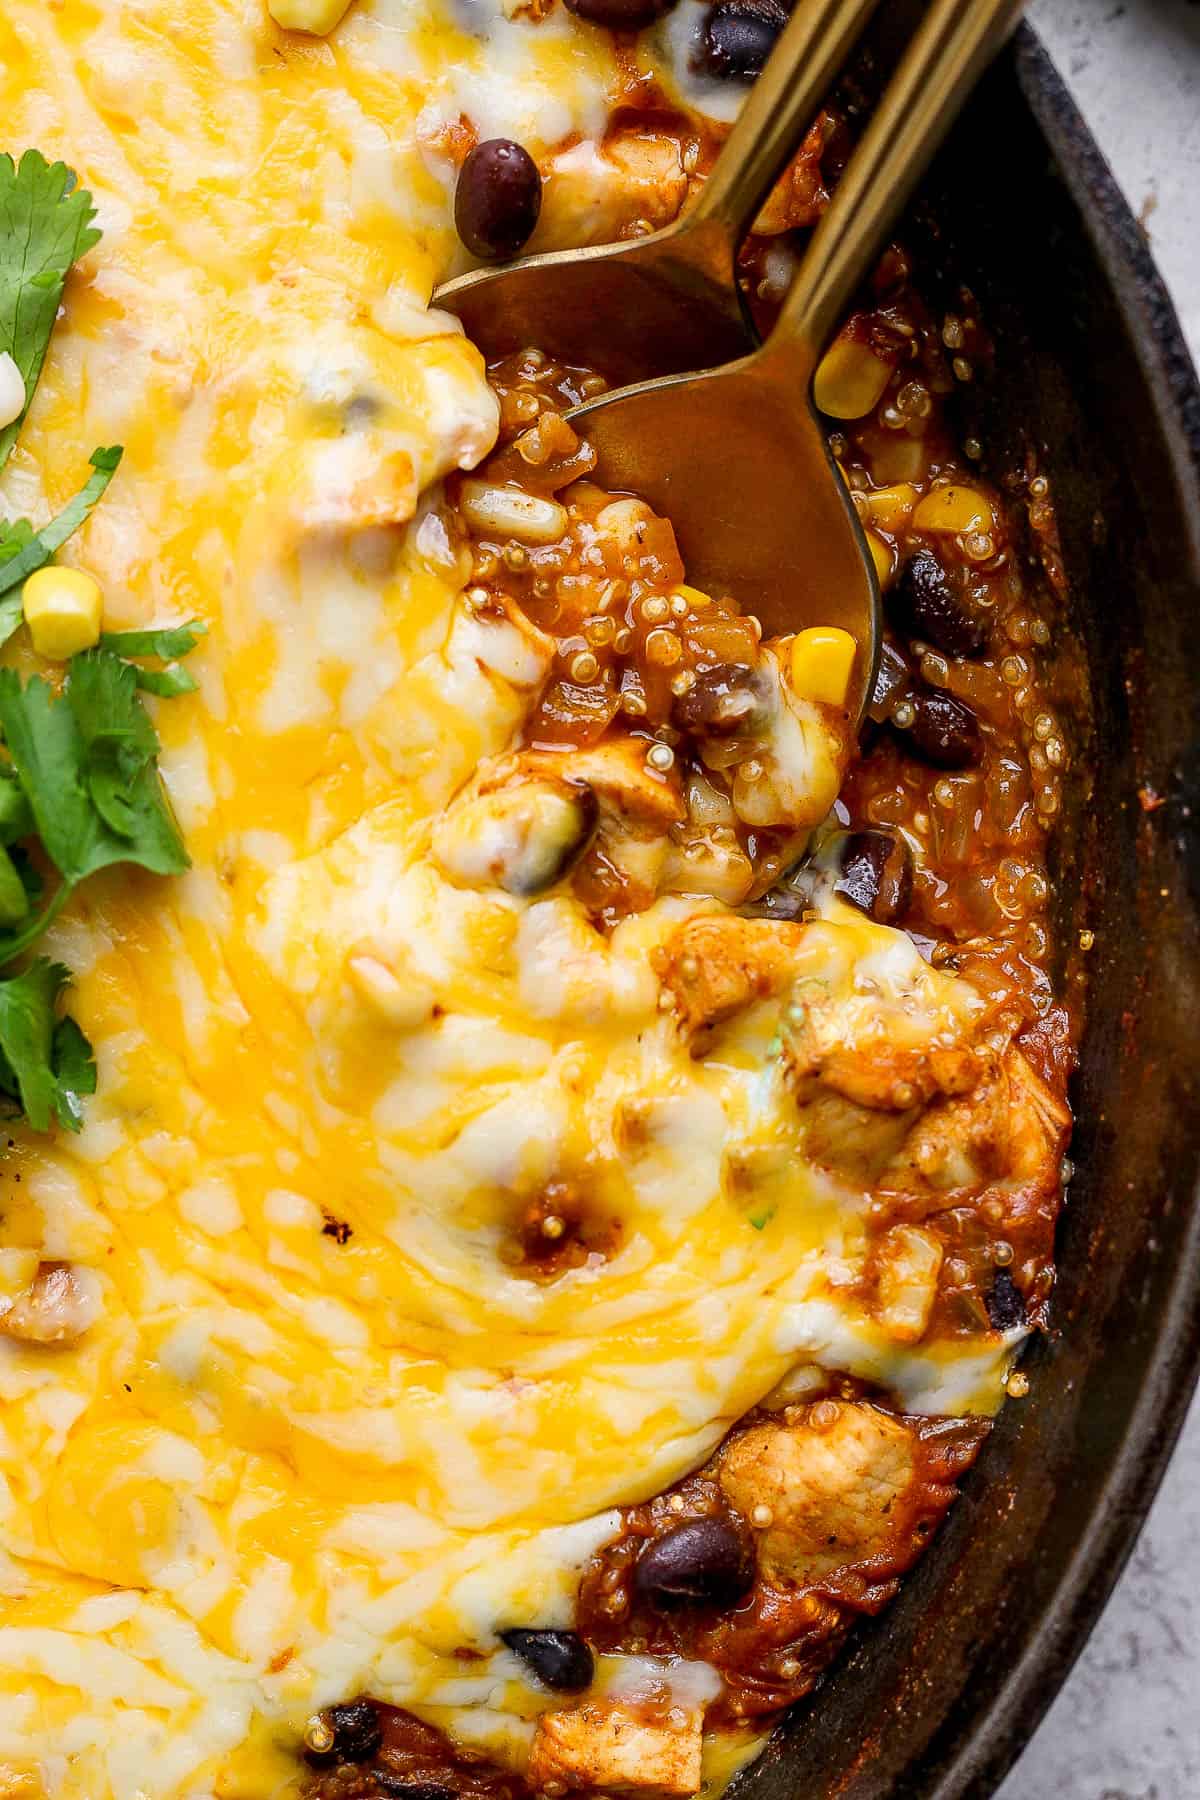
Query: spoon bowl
<point x="655" y="305"/>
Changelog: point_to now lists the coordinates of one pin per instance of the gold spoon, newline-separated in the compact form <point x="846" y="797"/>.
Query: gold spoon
<point x="736" y="457"/>
<point x="660" y="304"/>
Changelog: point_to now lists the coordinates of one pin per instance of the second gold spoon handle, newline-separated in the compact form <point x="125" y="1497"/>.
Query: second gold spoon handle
<point x="955" y="40"/>
<point x="778" y="112"/>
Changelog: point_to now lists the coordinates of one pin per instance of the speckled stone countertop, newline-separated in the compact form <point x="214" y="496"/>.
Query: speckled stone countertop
<point x="1127" y="1724"/>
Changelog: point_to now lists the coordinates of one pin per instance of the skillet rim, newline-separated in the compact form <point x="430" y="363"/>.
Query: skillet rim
<point x="992" y="1743"/>
<point x="974" y="1755"/>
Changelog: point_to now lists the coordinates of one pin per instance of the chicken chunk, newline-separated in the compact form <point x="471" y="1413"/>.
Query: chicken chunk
<point x="1011" y="1128"/>
<point x="636" y="808"/>
<point x="60" y="1304"/>
<point x="831" y="1486"/>
<point x="856" y="1142"/>
<point x="594" y="193"/>
<point x="349" y="460"/>
<point x="798" y="195"/>
<point x="906" y="1264"/>
<point x="496" y="634"/>
<point x="629" y="792"/>
<point x="606" y="1745"/>
<point x="354" y="483"/>
<point x="870" y="1023"/>
<point x="514" y="830"/>
<point x="715" y="965"/>
<point x="890" y="1038"/>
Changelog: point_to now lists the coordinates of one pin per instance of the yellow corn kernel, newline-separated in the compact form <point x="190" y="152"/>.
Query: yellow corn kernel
<point x="954" y="509"/>
<point x="850" y="380"/>
<point x="696" y="598"/>
<point x="62" y="611"/>
<point x="316" y="16"/>
<point x="881" y="556"/>
<point x="822" y="659"/>
<point x="892" y="507"/>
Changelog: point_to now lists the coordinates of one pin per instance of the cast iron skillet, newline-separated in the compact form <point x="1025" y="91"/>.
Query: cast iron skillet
<point x="938" y="1697"/>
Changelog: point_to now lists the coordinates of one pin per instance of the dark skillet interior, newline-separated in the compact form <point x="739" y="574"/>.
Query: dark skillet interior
<point x="938" y="1697"/>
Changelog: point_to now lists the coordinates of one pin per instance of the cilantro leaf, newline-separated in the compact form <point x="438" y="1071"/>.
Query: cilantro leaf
<point x="14" y="535"/>
<point x="31" y="881"/>
<point x="18" y="560"/>
<point x="12" y="616"/>
<point x="74" y="1072"/>
<point x="14" y="901"/>
<point x="86" y="759"/>
<point x="45" y="1062"/>
<point x="45" y="226"/>
<point x="47" y="752"/>
<point x="164" y="641"/>
<point x="122" y="749"/>
<point x="16" y="820"/>
<point x="168" y="684"/>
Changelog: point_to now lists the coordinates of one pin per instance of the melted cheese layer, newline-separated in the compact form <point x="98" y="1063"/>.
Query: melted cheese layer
<point x="283" y="1467"/>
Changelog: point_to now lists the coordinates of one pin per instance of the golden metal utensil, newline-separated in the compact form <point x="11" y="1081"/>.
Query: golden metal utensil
<point x="658" y="304"/>
<point x="736" y="457"/>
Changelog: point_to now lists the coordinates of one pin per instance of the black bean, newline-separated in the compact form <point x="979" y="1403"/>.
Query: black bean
<point x="727" y="701"/>
<point x="498" y="198"/>
<point x="702" y="1561"/>
<point x="737" y="38"/>
<point x="1005" y="1306"/>
<point x="620" y="15"/>
<point x="789" y="901"/>
<point x="893" y="680"/>
<point x="876" y="874"/>
<point x="560" y="1659"/>
<point x="944" y="732"/>
<point x="357" y="1733"/>
<point x="924" y="605"/>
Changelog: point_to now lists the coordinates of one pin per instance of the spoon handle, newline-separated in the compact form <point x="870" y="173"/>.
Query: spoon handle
<point x="778" y="111"/>
<point x="955" y="40"/>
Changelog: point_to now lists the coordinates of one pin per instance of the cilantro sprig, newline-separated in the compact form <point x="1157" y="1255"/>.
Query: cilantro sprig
<point x="79" y="783"/>
<point x="80" y="778"/>
<point x="45" y="1061"/>
<point x="45" y="226"/>
<point x="167" y="643"/>
<point x="85" y="759"/>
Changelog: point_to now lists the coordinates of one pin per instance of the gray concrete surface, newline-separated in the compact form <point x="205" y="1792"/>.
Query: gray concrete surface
<point x="1127" y="1724"/>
